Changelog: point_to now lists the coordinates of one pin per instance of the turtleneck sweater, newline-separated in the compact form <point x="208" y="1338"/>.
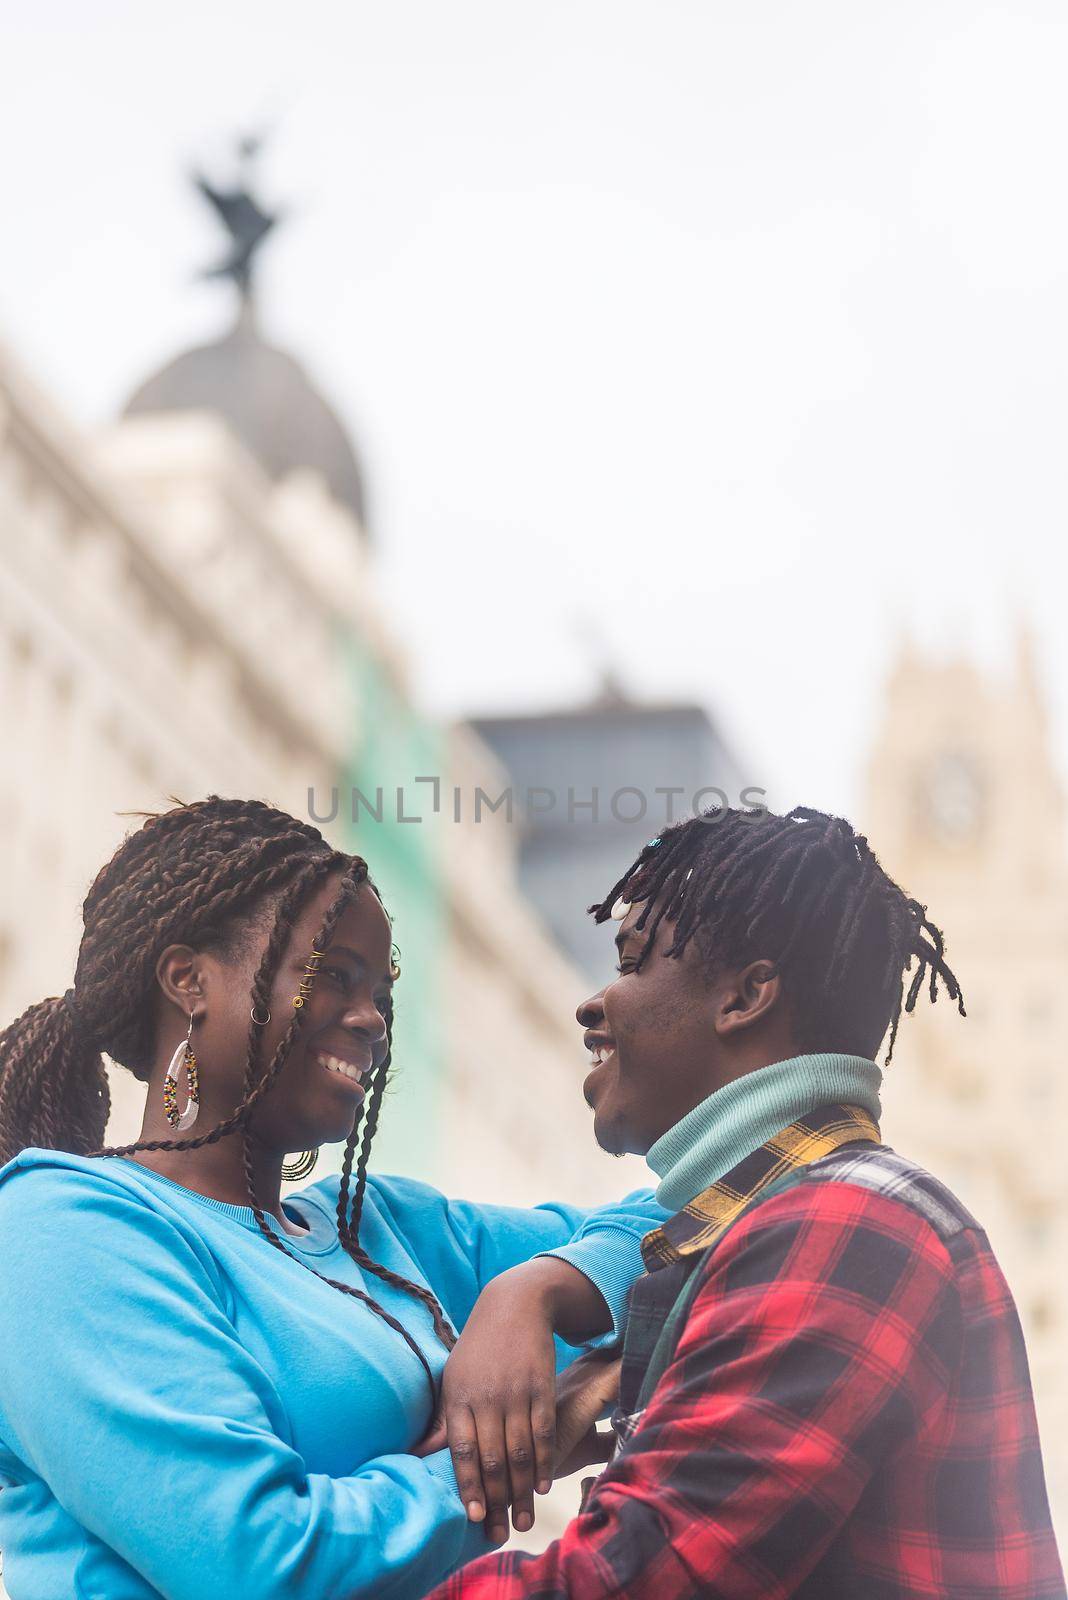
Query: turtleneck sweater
<point x="745" y="1113"/>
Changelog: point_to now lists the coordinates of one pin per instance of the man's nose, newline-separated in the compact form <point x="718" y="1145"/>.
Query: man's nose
<point x="591" y="1011"/>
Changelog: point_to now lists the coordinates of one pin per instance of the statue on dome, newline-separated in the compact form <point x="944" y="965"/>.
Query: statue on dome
<point x="247" y="223"/>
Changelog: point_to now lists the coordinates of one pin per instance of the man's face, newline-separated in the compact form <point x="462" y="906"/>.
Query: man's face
<point x="652" y="1034"/>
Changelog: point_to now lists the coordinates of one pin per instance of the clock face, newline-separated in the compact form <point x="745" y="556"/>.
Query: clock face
<point x="952" y="797"/>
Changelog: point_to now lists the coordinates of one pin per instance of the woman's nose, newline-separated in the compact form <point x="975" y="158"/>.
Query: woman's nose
<point x="365" y="1019"/>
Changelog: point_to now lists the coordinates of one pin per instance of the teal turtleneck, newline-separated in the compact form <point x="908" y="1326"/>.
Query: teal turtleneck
<point x="744" y="1114"/>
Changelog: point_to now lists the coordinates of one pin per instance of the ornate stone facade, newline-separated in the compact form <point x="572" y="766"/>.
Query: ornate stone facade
<point x="965" y="809"/>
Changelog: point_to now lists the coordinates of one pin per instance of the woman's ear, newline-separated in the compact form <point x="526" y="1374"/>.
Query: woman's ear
<point x="180" y="975"/>
<point x="750" y="995"/>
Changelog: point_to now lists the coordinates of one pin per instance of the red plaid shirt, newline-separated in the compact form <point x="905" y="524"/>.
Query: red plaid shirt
<point x="847" y="1416"/>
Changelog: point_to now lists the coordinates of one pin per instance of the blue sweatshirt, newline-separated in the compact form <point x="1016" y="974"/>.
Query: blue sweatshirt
<point x="184" y="1412"/>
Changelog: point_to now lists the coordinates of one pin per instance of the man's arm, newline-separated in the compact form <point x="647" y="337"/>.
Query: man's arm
<point x="827" y="1323"/>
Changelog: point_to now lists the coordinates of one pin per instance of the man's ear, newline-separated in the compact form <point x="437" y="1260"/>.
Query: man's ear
<point x="180" y="975"/>
<point x="748" y="996"/>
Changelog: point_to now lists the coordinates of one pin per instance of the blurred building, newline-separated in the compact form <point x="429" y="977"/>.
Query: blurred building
<point x="269" y="404"/>
<point x="965" y="810"/>
<point x="185" y="609"/>
<point x="595" y="783"/>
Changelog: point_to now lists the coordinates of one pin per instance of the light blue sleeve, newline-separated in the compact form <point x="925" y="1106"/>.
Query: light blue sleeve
<point x="461" y="1245"/>
<point x="125" y="1388"/>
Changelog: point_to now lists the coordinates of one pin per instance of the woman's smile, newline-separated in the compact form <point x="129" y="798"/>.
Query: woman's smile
<point x="350" y="1070"/>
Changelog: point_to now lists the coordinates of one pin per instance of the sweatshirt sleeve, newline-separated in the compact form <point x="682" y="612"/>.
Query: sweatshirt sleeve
<point x="461" y="1245"/>
<point x="126" y="1389"/>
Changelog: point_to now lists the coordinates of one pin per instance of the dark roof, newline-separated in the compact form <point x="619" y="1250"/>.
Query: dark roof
<point x="600" y="713"/>
<point x="268" y="401"/>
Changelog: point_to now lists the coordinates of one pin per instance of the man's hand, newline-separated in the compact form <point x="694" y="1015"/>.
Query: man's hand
<point x="498" y="1392"/>
<point x="583" y="1393"/>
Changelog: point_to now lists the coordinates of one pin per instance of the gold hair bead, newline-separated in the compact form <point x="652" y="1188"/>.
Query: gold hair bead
<point x="307" y="982"/>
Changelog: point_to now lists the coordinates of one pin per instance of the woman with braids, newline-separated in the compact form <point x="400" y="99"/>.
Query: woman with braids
<point x="824" y="1388"/>
<point x="206" y="1391"/>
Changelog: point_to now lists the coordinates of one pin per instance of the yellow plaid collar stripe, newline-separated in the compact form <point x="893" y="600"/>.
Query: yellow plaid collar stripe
<point x="809" y="1139"/>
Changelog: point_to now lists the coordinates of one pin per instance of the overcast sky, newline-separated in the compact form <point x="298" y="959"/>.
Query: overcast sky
<point x="719" y="340"/>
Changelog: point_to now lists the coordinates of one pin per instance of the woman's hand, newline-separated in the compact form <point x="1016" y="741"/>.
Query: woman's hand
<point x="498" y="1393"/>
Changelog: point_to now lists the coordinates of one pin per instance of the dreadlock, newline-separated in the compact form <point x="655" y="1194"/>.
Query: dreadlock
<point x="197" y="874"/>
<point x="805" y="892"/>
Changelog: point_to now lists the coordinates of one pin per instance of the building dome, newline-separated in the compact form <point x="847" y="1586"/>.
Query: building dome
<point x="268" y="401"/>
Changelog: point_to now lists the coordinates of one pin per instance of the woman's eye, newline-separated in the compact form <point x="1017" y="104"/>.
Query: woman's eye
<point x="337" y="974"/>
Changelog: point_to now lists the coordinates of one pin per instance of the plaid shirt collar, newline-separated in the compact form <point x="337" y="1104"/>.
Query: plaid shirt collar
<point x="809" y="1139"/>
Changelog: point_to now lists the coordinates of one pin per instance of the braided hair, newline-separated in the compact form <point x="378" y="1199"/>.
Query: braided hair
<point x="805" y="892"/>
<point x="198" y="874"/>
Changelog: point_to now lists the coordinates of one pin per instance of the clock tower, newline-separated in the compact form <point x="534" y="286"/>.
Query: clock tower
<point x="965" y="810"/>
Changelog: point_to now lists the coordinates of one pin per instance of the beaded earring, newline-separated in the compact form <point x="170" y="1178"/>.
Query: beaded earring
<point x="182" y="1120"/>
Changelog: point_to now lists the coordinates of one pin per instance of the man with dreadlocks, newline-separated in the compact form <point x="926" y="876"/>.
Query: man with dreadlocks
<point x="824" y="1390"/>
<point x="185" y="1412"/>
